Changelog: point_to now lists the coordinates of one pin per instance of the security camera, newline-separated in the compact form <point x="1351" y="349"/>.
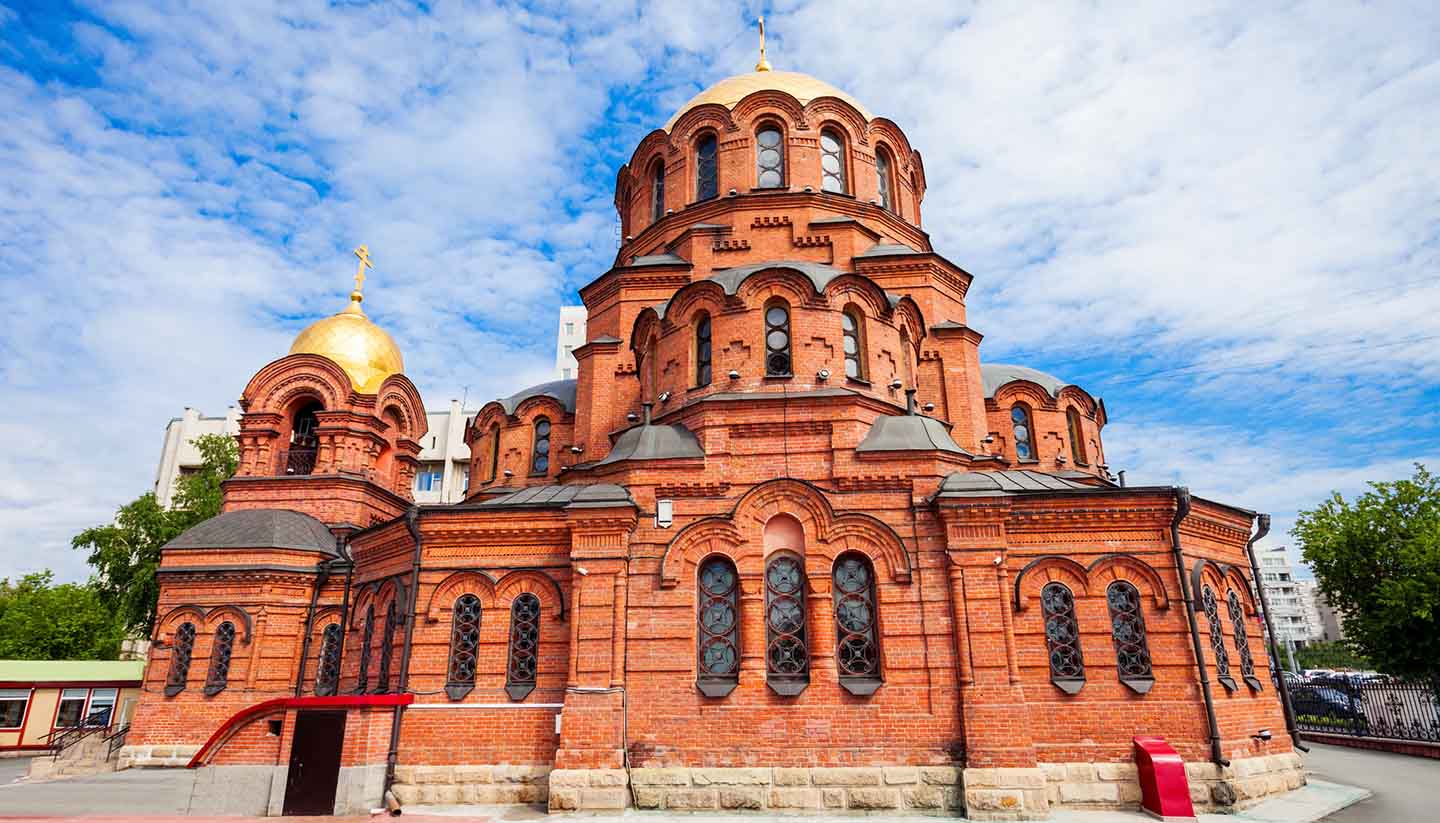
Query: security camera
<point x="823" y="374"/>
<point x="929" y="407"/>
<point x="669" y="212"/>
<point x="733" y="193"/>
<point x="633" y="417"/>
<point x="987" y="439"/>
<point x="664" y="397"/>
<point x="810" y="189"/>
<point x="629" y="237"/>
<point x="576" y="449"/>
<point x="508" y="473"/>
<point x="734" y="375"/>
<point x="1060" y="458"/>
<point x="1263" y="735"/>
<point x="895" y="384"/>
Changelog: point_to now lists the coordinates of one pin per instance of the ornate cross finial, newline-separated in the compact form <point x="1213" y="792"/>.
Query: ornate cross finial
<point x="363" y="253"/>
<point x="763" y="65"/>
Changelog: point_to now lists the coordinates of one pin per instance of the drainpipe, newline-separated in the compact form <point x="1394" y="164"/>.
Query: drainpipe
<point x="387" y="797"/>
<point x="1262" y="529"/>
<point x="345" y="607"/>
<point x="1182" y="508"/>
<point x="322" y="574"/>
<point x="910" y="402"/>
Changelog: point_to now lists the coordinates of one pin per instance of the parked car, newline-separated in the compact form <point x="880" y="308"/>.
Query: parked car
<point x="1315" y="702"/>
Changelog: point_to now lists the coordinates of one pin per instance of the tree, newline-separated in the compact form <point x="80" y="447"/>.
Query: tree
<point x="42" y="621"/>
<point x="1334" y="654"/>
<point x="125" y="554"/>
<point x="1377" y="560"/>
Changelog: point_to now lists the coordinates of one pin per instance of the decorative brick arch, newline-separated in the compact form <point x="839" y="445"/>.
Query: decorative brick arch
<point x="218" y="615"/>
<point x="470" y="581"/>
<point x="1081" y="398"/>
<point x="857" y="288"/>
<point x="276" y="386"/>
<point x="836" y="113"/>
<point x="399" y="393"/>
<point x="520" y="581"/>
<point x="700" y="295"/>
<point x="1052" y="568"/>
<point x="378" y="593"/>
<point x="908" y="316"/>
<point x="695" y="542"/>
<point x="777" y="281"/>
<point x="755" y="105"/>
<point x="1023" y="391"/>
<point x="1111" y="567"/>
<point x="706" y="116"/>
<point x="164" y="627"/>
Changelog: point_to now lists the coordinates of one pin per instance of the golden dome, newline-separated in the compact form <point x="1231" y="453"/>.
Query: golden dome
<point x="732" y="90"/>
<point x="366" y="353"/>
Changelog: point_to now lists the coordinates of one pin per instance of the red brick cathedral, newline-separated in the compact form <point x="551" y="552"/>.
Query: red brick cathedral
<point x="785" y="544"/>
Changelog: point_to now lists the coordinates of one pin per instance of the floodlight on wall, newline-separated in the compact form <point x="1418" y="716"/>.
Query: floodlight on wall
<point x="633" y="417"/>
<point x="734" y="375"/>
<point x="664" y="513"/>
<point x="822" y="375"/>
<point x="577" y="449"/>
<point x="1060" y="459"/>
<point x="669" y="212"/>
<point x="809" y="189"/>
<point x="664" y="397"/>
<point x="1263" y="735"/>
<point x="987" y="440"/>
<point x="508" y="473"/>
<point x="929" y="407"/>
<point x="629" y="237"/>
<point x="734" y="193"/>
<point x="895" y="384"/>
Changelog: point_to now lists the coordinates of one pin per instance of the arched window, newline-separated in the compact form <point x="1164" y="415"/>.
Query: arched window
<point x="719" y="647"/>
<point x="1062" y="638"/>
<point x="1217" y="637"/>
<point x="1024" y="432"/>
<point x="657" y="190"/>
<point x="464" y="646"/>
<point x="327" y="672"/>
<point x="707" y="177"/>
<point x="1077" y="436"/>
<point x="220" y="650"/>
<point x="1127" y="630"/>
<point x="367" y="641"/>
<point x="387" y="650"/>
<point x="524" y="646"/>
<point x="1242" y="640"/>
<point x="300" y="456"/>
<point x="494" y="452"/>
<point x="832" y="161"/>
<point x="882" y="178"/>
<point x="702" y="350"/>
<point x="787" y="655"/>
<point x="907" y="359"/>
<point x="769" y="158"/>
<point x="777" y="339"/>
<point x="180" y="652"/>
<point x="850" y="325"/>
<point x="857" y="651"/>
<point x="540" y="458"/>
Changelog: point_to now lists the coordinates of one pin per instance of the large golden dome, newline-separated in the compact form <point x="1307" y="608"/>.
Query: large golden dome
<point x="732" y="90"/>
<point x="366" y="353"/>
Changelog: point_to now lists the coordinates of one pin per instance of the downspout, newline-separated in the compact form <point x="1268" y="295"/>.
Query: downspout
<point x="387" y="797"/>
<point x="345" y="606"/>
<point x="322" y="574"/>
<point x="1262" y="529"/>
<point x="1182" y="508"/>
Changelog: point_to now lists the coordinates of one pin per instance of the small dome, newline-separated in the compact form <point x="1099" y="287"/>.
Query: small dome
<point x="258" y="529"/>
<point x="732" y="90"/>
<point x="364" y="350"/>
<point x="996" y="375"/>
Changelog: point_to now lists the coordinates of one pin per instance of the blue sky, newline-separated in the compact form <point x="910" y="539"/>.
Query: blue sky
<point x="1222" y="217"/>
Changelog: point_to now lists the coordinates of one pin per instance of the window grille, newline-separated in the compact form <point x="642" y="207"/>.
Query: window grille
<point x="777" y="340"/>
<point x="857" y="650"/>
<point x="180" y="652"/>
<point x="769" y="158"/>
<point x="787" y="656"/>
<point x="540" y="461"/>
<point x="882" y="178"/>
<point x="707" y="178"/>
<point x="362" y="678"/>
<point x="1024" y="432"/>
<point x="702" y="350"/>
<point x="464" y="646"/>
<point x="1127" y="630"/>
<point x="387" y="647"/>
<point x="854" y="344"/>
<point x="719" y="647"/>
<point x="220" y="651"/>
<point x="1062" y="638"/>
<point x="657" y="200"/>
<point x="832" y="162"/>
<point x="1217" y="638"/>
<point x="1242" y="640"/>
<point x="327" y="674"/>
<point x="524" y="646"/>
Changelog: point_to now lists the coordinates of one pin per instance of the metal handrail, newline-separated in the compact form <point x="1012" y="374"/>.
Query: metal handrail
<point x="116" y="739"/>
<point x="61" y="739"/>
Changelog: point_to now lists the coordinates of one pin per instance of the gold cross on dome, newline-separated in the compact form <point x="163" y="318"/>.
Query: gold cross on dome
<point x="763" y="65"/>
<point x="363" y="253"/>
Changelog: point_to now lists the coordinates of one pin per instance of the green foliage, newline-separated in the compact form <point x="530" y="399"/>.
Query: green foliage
<point x="1378" y="562"/>
<point x="1335" y="654"/>
<point x="42" y="621"/>
<point x="126" y="553"/>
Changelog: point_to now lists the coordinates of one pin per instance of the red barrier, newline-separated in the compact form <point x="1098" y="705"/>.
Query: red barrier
<point x="1164" y="791"/>
<point x="254" y="712"/>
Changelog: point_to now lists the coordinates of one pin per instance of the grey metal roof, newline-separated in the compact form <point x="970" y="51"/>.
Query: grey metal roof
<point x="562" y="390"/>
<point x="663" y="259"/>
<point x="654" y="442"/>
<point x="819" y="273"/>
<point x="258" y="529"/>
<point x="575" y="496"/>
<point x="995" y="375"/>
<point x="908" y="432"/>
<point x="606" y="338"/>
<point x="948" y="324"/>
<point x="774" y="395"/>
<point x="1015" y="481"/>
<point x="888" y="250"/>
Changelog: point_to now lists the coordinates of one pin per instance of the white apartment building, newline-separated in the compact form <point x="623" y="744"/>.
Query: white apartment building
<point x="571" y="336"/>
<point x="444" y="458"/>
<point x="1291" y="601"/>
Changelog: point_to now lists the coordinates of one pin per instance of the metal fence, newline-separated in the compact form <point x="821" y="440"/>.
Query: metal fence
<point x="1381" y="706"/>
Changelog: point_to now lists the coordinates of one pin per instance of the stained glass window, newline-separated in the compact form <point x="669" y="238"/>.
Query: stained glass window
<point x="220" y="651"/>
<point x="180" y="652"/>
<point x="769" y="158"/>
<point x="719" y="632"/>
<point x="327" y="674"/>
<point x="1062" y="637"/>
<point x="524" y="646"/>
<point x="832" y="161"/>
<point x="777" y="340"/>
<point x="1127" y="630"/>
<point x="540" y="460"/>
<point x="857" y="651"/>
<point x="787" y="655"/>
<point x="1217" y="637"/>
<point x="464" y="646"/>
<point x="707" y="178"/>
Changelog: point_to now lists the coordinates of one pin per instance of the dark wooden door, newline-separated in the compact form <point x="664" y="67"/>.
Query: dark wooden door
<point x="314" y="763"/>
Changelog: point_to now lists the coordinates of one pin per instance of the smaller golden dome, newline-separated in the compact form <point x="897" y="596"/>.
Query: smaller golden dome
<point x="730" y="91"/>
<point x="366" y="353"/>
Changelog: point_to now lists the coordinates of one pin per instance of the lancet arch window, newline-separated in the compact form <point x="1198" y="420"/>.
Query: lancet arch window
<point x="707" y="174"/>
<point x="854" y="333"/>
<point x="1217" y="637"/>
<point x="180" y="652"/>
<point x="367" y="646"/>
<point x="1242" y="640"/>
<point x="882" y="179"/>
<point x="1062" y="637"/>
<point x="787" y="651"/>
<point x="464" y="646"/>
<point x="703" y="352"/>
<point x="907" y="359"/>
<point x="832" y="162"/>
<point x="857" y="647"/>
<point x="221" y="649"/>
<point x="327" y="672"/>
<point x="718" y="649"/>
<point x="1022" y="427"/>
<point x="777" y="339"/>
<point x="524" y="657"/>
<point x="540" y="455"/>
<point x="387" y="650"/>
<point x="304" y="440"/>
<point x="1127" y="630"/>
<point x="657" y="190"/>
<point x="1077" y="436"/>
<point x="769" y="157"/>
<point x="494" y="452"/>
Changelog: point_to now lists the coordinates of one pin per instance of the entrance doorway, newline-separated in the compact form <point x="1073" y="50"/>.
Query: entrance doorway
<point x="314" y="763"/>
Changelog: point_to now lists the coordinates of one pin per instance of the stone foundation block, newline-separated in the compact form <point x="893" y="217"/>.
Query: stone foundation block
<point x="604" y="799"/>
<point x="647" y="797"/>
<point x="790" y="777"/>
<point x="940" y="775"/>
<point x="794" y="798"/>
<point x="690" y="799"/>
<point x="873" y="798"/>
<point x="742" y="798"/>
<point x="832" y="798"/>
<point x="660" y="777"/>
<point x="1117" y="771"/>
<point x="900" y="775"/>
<point x="731" y="777"/>
<point x="845" y="777"/>
<point x="565" y="778"/>
<point x="927" y="797"/>
<point x="564" y="799"/>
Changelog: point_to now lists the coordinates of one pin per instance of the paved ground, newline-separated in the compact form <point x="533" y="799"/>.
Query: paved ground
<point x="1404" y="787"/>
<point x="12" y="768"/>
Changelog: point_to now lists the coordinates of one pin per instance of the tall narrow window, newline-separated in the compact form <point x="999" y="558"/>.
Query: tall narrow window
<point x="719" y="646"/>
<point x="857" y="651"/>
<point x="362" y="677"/>
<point x="787" y="655"/>
<point x="777" y="340"/>
<point x="304" y="440"/>
<point x="657" y="190"/>
<point x="387" y="649"/>
<point x="1062" y="638"/>
<point x="702" y="350"/>
<point x="769" y="158"/>
<point x="707" y="178"/>
<point x="524" y="646"/>
<point x="180" y="652"/>
<point x="1077" y="436"/>
<point x="1217" y="637"/>
<point x="832" y="161"/>
<point x="220" y="650"/>
<point x="882" y="179"/>
<point x="327" y="671"/>
<point x="540" y="458"/>
<point x="854" y="344"/>
<point x="907" y="359"/>
<point x="494" y="452"/>
<point x="1242" y="640"/>
<point x="464" y="646"/>
<point x="1024" y="432"/>
<point x="1127" y="630"/>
